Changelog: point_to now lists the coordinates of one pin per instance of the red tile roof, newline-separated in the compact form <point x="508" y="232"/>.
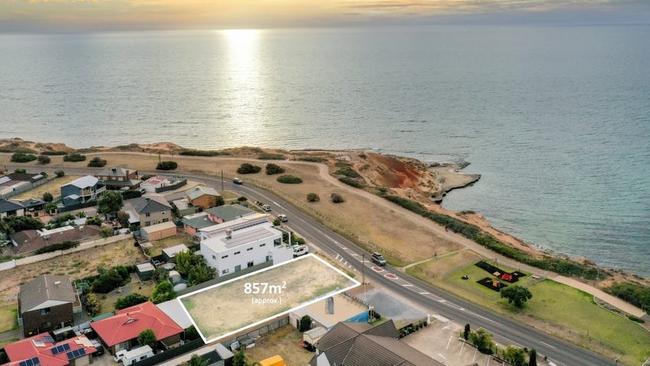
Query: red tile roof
<point x="128" y="323"/>
<point x="40" y="346"/>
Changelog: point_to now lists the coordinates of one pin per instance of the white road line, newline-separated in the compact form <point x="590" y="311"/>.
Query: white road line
<point x="424" y="293"/>
<point x="407" y="285"/>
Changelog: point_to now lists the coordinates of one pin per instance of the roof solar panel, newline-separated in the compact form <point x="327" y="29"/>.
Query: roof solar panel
<point x="66" y="347"/>
<point x="22" y="363"/>
<point x="36" y="361"/>
<point x="47" y="339"/>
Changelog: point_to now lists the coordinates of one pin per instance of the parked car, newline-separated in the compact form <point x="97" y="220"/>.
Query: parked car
<point x="266" y="208"/>
<point x="283" y="218"/>
<point x="378" y="259"/>
<point x="237" y="181"/>
<point x="300" y="250"/>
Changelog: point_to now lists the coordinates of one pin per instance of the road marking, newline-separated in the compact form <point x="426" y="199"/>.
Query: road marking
<point x="377" y="269"/>
<point x="425" y="293"/>
<point x="391" y="276"/>
<point x="442" y="301"/>
<point x="407" y="285"/>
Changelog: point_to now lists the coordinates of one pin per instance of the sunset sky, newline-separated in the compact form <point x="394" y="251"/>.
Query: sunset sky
<point x="71" y="15"/>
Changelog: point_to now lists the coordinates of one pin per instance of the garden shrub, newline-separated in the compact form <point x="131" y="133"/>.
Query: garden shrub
<point x="96" y="162"/>
<point x="20" y="157"/>
<point x="110" y="279"/>
<point x="247" y="168"/>
<point x="47" y="197"/>
<point x="131" y="193"/>
<point x="312" y="197"/>
<point x="68" y="244"/>
<point x="634" y="293"/>
<point x="274" y="169"/>
<point x="289" y="179"/>
<point x="167" y="165"/>
<point x="74" y="157"/>
<point x="59" y="173"/>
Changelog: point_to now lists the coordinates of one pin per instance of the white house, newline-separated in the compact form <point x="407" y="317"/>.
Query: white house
<point x="230" y="251"/>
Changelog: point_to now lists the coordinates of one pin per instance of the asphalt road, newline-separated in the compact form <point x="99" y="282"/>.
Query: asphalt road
<point x="416" y="291"/>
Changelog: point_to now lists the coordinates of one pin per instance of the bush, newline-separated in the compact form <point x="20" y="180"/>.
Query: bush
<point x="247" y="168"/>
<point x="42" y="159"/>
<point x="516" y="295"/>
<point x="20" y="157"/>
<point x="312" y="159"/>
<point x="472" y="232"/>
<point x="336" y="198"/>
<point x="304" y="324"/>
<point x="273" y="169"/>
<point x="203" y="153"/>
<point x="347" y="172"/>
<point x="110" y="279"/>
<point x="131" y="193"/>
<point x="167" y="165"/>
<point x="51" y="153"/>
<point x="130" y="300"/>
<point x="47" y="197"/>
<point x="14" y="224"/>
<point x="92" y="304"/>
<point x="312" y="197"/>
<point x="95" y="220"/>
<point x="20" y="170"/>
<point x="482" y="340"/>
<point x="164" y="291"/>
<point x="147" y="338"/>
<point x="74" y="157"/>
<point x="59" y="173"/>
<point x="68" y="244"/>
<point x="634" y="293"/>
<point x="352" y="182"/>
<point x="289" y="179"/>
<point x="242" y="199"/>
<point x="97" y="162"/>
<point x="270" y="156"/>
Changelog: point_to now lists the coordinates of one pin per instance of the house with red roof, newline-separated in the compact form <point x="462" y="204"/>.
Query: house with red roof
<point x="121" y="331"/>
<point x="41" y="350"/>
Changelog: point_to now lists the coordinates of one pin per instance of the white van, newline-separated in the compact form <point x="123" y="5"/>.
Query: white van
<point x="300" y="250"/>
<point x="128" y="358"/>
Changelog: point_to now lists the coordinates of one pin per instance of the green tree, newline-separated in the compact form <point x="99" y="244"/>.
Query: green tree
<point x="247" y="168"/>
<point x="305" y="323"/>
<point x="147" y="338"/>
<point x="123" y="218"/>
<point x="164" y="291"/>
<point x="482" y="339"/>
<point x="273" y="169"/>
<point x="532" y="358"/>
<point x="312" y="197"/>
<point x="42" y="159"/>
<point x="59" y="173"/>
<point x="183" y="262"/>
<point x="515" y="356"/>
<point x="466" y="331"/>
<point x="50" y="207"/>
<point x="239" y="359"/>
<point x="47" y="197"/>
<point x="516" y="295"/>
<point x="109" y="202"/>
<point x="219" y="201"/>
<point x="197" y="360"/>
<point x="93" y="306"/>
<point x="200" y="273"/>
<point x="130" y="300"/>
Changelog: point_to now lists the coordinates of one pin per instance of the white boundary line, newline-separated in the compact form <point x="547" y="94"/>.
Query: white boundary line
<point x="310" y="255"/>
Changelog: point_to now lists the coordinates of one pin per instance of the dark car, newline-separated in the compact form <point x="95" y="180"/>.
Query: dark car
<point x="378" y="259"/>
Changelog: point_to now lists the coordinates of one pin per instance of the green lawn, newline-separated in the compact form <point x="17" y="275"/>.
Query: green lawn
<point x="557" y="309"/>
<point x="8" y="317"/>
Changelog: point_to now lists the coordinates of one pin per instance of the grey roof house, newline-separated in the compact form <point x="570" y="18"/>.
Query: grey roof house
<point x="11" y="208"/>
<point x="47" y="303"/>
<point x="81" y="190"/>
<point x="118" y="178"/>
<point x="360" y="344"/>
<point x="148" y="210"/>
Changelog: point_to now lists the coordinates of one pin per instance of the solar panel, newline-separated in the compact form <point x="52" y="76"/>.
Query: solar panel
<point x="61" y="348"/>
<point x="36" y="361"/>
<point x="22" y="363"/>
<point x="47" y="339"/>
<point x="75" y="354"/>
<point x="66" y="347"/>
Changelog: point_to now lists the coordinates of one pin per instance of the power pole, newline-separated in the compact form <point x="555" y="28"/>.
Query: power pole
<point x="222" y="181"/>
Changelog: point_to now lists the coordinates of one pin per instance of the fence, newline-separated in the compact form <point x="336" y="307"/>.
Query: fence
<point x="25" y="187"/>
<point x="46" y="256"/>
<point x="171" y="187"/>
<point x="171" y="353"/>
<point x="224" y="278"/>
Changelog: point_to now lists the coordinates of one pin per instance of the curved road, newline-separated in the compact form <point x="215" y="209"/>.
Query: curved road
<point x="416" y="291"/>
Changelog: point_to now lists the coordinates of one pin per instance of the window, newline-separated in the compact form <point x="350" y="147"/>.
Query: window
<point x="147" y="214"/>
<point x="262" y="245"/>
<point x="147" y="223"/>
<point x="277" y="242"/>
<point x="224" y="256"/>
<point x="237" y="253"/>
<point x="249" y="249"/>
<point x="165" y="220"/>
<point x="214" y="256"/>
<point x="224" y="271"/>
<point x="45" y="311"/>
<point x="250" y="264"/>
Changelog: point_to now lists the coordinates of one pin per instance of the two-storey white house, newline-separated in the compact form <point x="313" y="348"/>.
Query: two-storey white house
<point x="236" y="248"/>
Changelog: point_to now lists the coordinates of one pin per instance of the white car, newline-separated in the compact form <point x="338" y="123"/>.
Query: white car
<point x="283" y="218"/>
<point x="300" y="250"/>
<point x="266" y="208"/>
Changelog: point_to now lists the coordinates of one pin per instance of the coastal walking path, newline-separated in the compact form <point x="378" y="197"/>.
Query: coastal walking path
<point x="451" y="236"/>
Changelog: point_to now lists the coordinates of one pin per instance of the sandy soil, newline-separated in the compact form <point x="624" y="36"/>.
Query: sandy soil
<point x="53" y="187"/>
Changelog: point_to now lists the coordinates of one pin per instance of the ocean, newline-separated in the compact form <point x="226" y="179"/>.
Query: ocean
<point x="556" y="119"/>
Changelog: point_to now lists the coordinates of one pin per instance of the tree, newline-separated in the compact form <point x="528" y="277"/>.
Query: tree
<point x="197" y="360"/>
<point x="200" y="273"/>
<point x="274" y="169"/>
<point x="50" y="207"/>
<point x="74" y="157"/>
<point x="466" y="331"/>
<point x="110" y="279"/>
<point x="532" y="358"/>
<point x="336" y="198"/>
<point x="289" y="179"/>
<point x="239" y="359"/>
<point x="516" y="295"/>
<point x="312" y="197"/>
<point x="247" y="168"/>
<point x="167" y="165"/>
<point x="515" y="356"/>
<point x="147" y="338"/>
<point x="109" y="202"/>
<point x="123" y="218"/>
<point x="47" y="197"/>
<point x="305" y="323"/>
<point x="42" y="159"/>
<point x="183" y="262"/>
<point x="219" y="201"/>
<point x="93" y="306"/>
<point x="59" y="173"/>
<point x="130" y="300"/>
<point x="164" y="291"/>
<point x="482" y="340"/>
<point x="97" y="162"/>
<point x="21" y="157"/>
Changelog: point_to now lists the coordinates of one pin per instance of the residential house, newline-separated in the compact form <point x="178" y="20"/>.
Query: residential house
<point x="29" y="241"/>
<point x="15" y="183"/>
<point x="148" y="210"/>
<point x="230" y="251"/>
<point x="33" y="206"/>
<point x="42" y="350"/>
<point x="353" y="344"/>
<point x="121" y="331"/>
<point x="236" y="224"/>
<point x="47" y="303"/>
<point x="11" y="208"/>
<point x="192" y="224"/>
<point x="119" y="178"/>
<point x="183" y="207"/>
<point x="203" y="197"/>
<point x="161" y="183"/>
<point x="82" y="190"/>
